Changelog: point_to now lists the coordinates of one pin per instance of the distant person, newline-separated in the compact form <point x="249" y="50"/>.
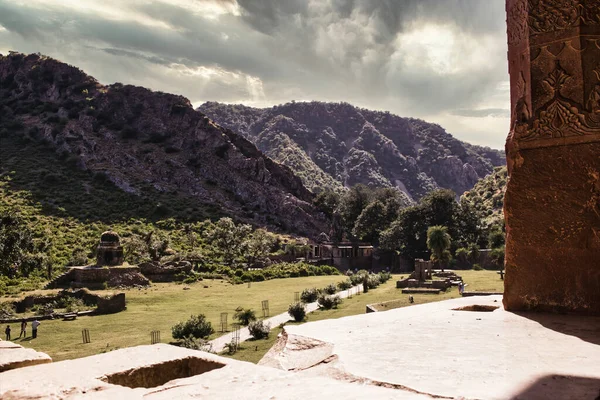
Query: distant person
<point x="34" y="326"/>
<point x="23" y="329"/>
<point x="7" y="331"/>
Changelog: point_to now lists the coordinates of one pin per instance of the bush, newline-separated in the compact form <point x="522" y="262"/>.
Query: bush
<point x="328" y="302"/>
<point x="345" y="285"/>
<point x="330" y="289"/>
<point x="309" y="295"/>
<point x="244" y="316"/>
<point x="197" y="326"/>
<point x="259" y="330"/>
<point x="373" y="281"/>
<point x="297" y="311"/>
<point x="477" y="267"/>
<point x="197" y="344"/>
<point x="384" y="277"/>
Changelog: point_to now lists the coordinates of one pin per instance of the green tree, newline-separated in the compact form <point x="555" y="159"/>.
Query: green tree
<point x="258" y="246"/>
<point x="496" y="238"/>
<point x="497" y="257"/>
<point x="16" y="244"/>
<point x="371" y="222"/>
<point x="327" y="201"/>
<point x="438" y="242"/>
<point x="352" y="204"/>
<point x="228" y="239"/>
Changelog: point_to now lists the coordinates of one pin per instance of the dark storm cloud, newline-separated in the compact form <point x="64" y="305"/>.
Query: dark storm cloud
<point x="360" y="51"/>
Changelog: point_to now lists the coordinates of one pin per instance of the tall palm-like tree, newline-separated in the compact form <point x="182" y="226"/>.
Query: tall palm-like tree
<point x="438" y="241"/>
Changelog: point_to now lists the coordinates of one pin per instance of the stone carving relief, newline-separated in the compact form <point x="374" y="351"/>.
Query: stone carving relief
<point x="517" y="23"/>
<point x="561" y="117"/>
<point x="554" y="15"/>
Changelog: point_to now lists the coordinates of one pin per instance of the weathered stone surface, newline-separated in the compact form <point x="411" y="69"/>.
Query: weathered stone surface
<point x="168" y="372"/>
<point x="13" y="356"/>
<point x="435" y="349"/>
<point x="552" y="203"/>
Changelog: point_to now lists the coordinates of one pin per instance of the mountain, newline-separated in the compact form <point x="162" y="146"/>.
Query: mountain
<point x="336" y="145"/>
<point x="69" y="141"/>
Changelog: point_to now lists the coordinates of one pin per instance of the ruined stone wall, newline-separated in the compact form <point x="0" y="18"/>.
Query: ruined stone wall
<point x="552" y="204"/>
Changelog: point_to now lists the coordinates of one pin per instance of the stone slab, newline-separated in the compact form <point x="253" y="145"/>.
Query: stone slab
<point x="431" y="348"/>
<point x="13" y="356"/>
<point x="86" y="378"/>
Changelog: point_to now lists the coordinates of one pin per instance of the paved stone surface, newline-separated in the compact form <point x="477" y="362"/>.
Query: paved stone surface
<point x="434" y="349"/>
<point x="218" y="344"/>
<point x="13" y="355"/>
<point x="86" y="378"/>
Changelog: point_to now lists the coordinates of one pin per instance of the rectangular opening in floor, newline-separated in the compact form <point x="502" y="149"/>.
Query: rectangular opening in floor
<point x="158" y="374"/>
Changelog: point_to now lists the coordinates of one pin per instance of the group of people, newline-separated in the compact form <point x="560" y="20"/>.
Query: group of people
<point x="34" y="329"/>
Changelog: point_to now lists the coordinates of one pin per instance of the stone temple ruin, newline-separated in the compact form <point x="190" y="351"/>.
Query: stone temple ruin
<point x="109" y="270"/>
<point x="422" y="279"/>
<point x="109" y="251"/>
<point x="474" y="348"/>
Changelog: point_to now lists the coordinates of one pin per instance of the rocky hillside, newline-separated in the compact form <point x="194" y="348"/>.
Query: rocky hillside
<point x="153" y="148"/>
<point x="335" y="145"/>
<point x="487" y="198"/>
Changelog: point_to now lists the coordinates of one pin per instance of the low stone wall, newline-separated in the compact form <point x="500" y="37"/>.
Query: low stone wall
<point x="165" y="272"/>
<point x="100" y="278"/>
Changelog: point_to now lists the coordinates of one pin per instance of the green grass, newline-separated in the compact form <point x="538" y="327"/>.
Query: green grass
<point x="253" y="351"/>
<point x="159" y="308"/>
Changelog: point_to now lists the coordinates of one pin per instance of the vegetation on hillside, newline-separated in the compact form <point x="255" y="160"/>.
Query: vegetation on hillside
<point x="335" y="145"/>
<point x="487" y="198"/>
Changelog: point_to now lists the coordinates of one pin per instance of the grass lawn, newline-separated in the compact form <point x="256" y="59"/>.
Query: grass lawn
<point x="163" y="305"/>
<point x="159" y="308"/>
<point x="253" y="351"/>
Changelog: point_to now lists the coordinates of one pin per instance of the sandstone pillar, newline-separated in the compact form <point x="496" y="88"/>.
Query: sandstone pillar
<point x="552" y="204"/>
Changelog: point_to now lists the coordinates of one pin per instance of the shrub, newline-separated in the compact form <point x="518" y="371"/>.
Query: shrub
<point x="244" y="316"/>
<point x="477" y="267"/>
<point x="330" y="289"/>
<point x="197" y="326"/>
<point x="259" y="330"/>
<point x="384" y="277"/>
<point x="197" y="344"/>
<point x="297" y="311"/>
<point x="309" y="295"/>
<point x="373" y="281"/>
<point x="345" y="285"/>
<point x="328" y="302"/>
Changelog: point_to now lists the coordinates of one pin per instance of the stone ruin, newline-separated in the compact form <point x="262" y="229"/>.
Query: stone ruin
<point x="552" y="202"/>
<point x="421" y="279"/>
<point x="109" y="251"/>
<point x="109" y="270"/>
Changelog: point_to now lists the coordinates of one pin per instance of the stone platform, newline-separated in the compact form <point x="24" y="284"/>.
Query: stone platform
<point x="94" y="277"/>
<point x="438" y="350"/>
<point x="167" y="372"/>
<point x="13" y="355"/>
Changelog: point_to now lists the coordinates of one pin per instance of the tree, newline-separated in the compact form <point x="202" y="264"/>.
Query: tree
<point x="497" y="257"/>
<point x="327" y="201"/>
<point x="352" y="204"/>
<point x="496" y="238"/>
<point x="371" y="222"/>
<point x="259" y="245"/>
<point x="16" y="244"/>
<point x="228" y="239"/>
<point x="438" y="241"/>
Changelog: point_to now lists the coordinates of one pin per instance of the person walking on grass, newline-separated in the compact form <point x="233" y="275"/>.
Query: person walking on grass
<point x="7" y="331"/>
<point x="23" y="329"/>
<point x="34" y="326"/>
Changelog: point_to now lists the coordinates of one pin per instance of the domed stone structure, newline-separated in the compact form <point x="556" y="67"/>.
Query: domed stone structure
<point x="110" y="251"/>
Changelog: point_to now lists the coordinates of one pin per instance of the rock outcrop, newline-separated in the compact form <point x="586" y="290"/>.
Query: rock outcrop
<point x="331" y="145"/>
<point x="552" y="203"/>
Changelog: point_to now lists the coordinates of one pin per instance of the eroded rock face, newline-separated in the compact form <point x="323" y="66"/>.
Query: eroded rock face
<point x="552" y="203"/>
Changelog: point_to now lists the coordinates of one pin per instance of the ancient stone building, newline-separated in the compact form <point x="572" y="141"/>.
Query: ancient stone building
<point x="552" y="203"/>
<point x="110" y="251"/>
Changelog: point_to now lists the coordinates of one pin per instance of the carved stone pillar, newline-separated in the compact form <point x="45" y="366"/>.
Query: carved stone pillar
<point x="552" y="203"/>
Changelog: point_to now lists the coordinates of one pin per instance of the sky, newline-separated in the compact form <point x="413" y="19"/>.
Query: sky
<point x="443" y="61"/>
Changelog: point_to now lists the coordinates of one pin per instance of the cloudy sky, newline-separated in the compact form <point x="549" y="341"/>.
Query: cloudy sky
<point x="440" y="60"/>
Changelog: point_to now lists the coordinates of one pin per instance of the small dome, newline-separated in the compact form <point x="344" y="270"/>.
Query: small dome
<point x="110" y="236"/>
